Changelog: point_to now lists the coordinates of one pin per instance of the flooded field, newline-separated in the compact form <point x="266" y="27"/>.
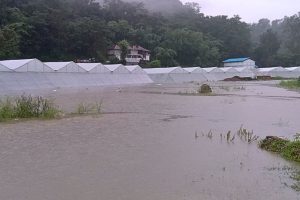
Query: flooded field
<point x="143" y="146"/>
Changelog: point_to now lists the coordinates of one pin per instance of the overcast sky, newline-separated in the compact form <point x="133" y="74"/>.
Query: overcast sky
<point x="250" y="10"/>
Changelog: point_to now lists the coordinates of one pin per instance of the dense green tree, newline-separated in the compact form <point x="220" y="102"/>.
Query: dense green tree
<point x="166" y="56"/>
<point x="80" y="29"/>
<point x="124" y="45"/>
<point x="265" y="53"/>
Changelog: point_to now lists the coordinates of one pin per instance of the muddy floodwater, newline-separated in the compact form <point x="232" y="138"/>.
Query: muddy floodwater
<point x="143" y="145"/>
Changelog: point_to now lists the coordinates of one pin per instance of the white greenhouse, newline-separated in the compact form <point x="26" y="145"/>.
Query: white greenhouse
<point x="214" y="74"/>
<point x="117" y="69"/>
<point x="229" y="72"/>
<point x="196" y="73"/>
<point x="168" y="74"/>
<point x="4" y="69"/>
<point x="294" y="72"/>
<point x="273" y="72"/>
<point x="65" y="67"/>
<point x="26" y="65"/>
<point x="94" y="68"/>
<point x="245" y="72"/>
<point x="135" y="69"/>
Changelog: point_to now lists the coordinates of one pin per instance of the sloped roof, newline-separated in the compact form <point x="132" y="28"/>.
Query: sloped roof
<point x="293" y="68"/>
<point x="194" y="69"/>
<point x="138" y="48"/>
<point x="233" y="60"/>
<point x="57" y="65"/>
<point x="269" y="69"/>
<point x="88" y="66"/>
<point x="113" y="67"/>
<point x="132" y="67"/>
<point x="165" y="70"/>
<point x="15" y="64"/>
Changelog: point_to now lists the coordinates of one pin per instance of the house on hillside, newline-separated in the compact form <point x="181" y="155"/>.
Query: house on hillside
<point x="136" y="54"/>
<point x="239" y="62"/>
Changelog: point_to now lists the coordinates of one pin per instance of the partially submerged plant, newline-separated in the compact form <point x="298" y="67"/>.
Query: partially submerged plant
<point x="205" y="89"/>
<point x="27" y="107"/>
<point x="247" y="136"/>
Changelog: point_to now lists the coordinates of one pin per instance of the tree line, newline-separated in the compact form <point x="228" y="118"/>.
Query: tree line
<point x="60" y="30"/>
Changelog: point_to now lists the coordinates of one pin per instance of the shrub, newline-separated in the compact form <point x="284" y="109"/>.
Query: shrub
<point x="27" y="107"/>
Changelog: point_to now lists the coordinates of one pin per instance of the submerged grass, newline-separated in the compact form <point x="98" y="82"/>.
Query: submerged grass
<point x="24" y="107"/>
<point x="288" y="149"/>
<point x="291" y="84"/>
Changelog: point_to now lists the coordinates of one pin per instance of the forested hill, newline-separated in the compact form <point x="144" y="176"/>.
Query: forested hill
<point x="61" y="30"/>
<point x="166" y="7"/>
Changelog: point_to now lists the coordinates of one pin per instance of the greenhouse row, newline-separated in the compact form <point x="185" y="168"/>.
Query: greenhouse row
<point x="41" y="75"/>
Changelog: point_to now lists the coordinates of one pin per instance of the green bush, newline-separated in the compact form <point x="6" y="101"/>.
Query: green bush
<point x="27" y="107"/>
<point x="291" y="84"/>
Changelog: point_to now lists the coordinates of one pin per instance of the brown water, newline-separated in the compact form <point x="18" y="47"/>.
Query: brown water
<point x="144" y="146"/>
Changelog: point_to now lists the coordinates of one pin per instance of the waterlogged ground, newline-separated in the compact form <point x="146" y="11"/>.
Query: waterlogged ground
<point x="143" y="146"/>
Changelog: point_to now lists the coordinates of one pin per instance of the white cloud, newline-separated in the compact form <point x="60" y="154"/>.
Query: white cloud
<point x="250" y="10"/>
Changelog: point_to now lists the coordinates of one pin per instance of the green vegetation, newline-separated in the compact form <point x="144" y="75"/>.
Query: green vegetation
<point x="91" y="108"/>
<point x="81" y="29"/>
<point x="24" y="107"/>
<point x="291" y="84"/>
<point x="288" y="149"/>
<point x="205" y="89"/>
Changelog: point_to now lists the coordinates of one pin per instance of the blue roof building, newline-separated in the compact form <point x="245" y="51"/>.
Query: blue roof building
<point x="239" y="62"/>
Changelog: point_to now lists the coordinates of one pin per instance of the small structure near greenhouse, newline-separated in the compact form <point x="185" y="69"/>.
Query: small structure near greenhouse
<point x="239" y="62"/>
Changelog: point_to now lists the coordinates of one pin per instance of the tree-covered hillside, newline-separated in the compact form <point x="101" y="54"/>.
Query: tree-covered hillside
<point x="59" y="30"/>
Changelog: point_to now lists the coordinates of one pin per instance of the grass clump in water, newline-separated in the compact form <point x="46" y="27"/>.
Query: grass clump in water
<point x="23" y="107"/>
<point x="286" y="148"/>
<point x="205" y="89"/>
<point x="291" y="84"/>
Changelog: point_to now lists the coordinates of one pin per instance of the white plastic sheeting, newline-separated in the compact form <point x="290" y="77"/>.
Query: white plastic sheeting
<point x="196" y="74"/>
<point x="229" y="72"/>
<point x="214" y="74"/>
<point x="294" y="72"/>
<point x="25" y="65"/>
<point x="117" y="69"/>
<point x="4" y="69"/>
<point x="30" y="81"/>
<point x="135" y="69"/>
<point x="70" y="67"/>
<point x="168" y="75"/>
<point x="94" y="68"/>
<point x="273" y="72"/>
<point x="246" y="72"/>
